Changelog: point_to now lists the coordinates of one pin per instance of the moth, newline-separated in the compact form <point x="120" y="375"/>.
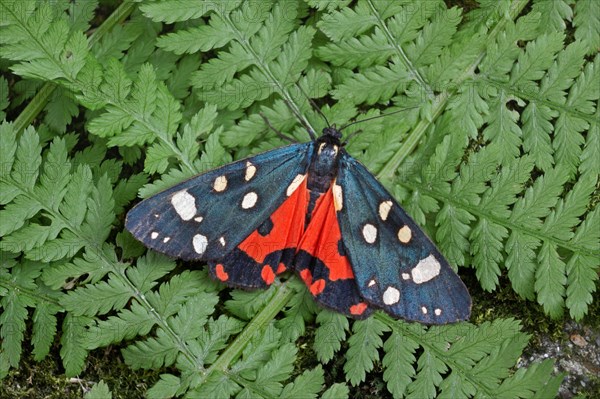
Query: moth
<point x="313" y="209"/>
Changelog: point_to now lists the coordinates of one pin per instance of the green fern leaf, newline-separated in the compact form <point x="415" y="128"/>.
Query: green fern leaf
<point x="398" y="362"/>
<point x="358" y="52"/>
<point x="587" y="22"/>
<point x="427" y="378"/>
<point x="551" y="280"/>
<point x="554" y="13"/>
<point x="99" y="391"/>
<point x="308" y="384"/>
<point x="582" y="270"/>
<point x="97" y="298"/>
<point x="435" y="36"/>
<point x="363" y="346"/>
<point x="73" y="351"/>
<point x="348" y="22"/>
<point x="332" y="330"/>
<point x="336" y="391"/>
<point x="167" y="386"/>
<point x="377" y="84"/>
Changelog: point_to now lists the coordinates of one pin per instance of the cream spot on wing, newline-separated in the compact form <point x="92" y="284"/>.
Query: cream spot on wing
<point x="154" y="235"/>
<point x="250" y="171"/>
<point x="404" y="234"/>
<point x="437" y="312"/>
<point x="424" y="309"/>
<point x="372" y="283"/>
<point x="405" y="276"/>
<point x="200" y="242"/>
<point x="249" y="200"/>
<point x="384" y="209"/>
<point x="426" y="270"/>
<point x="369" y="233"/>
<point x="156" y="215"/>
<point x="391" y="296"/>
<point x="222" y="241"/>
<point x="198" y="219"/>
<point x="184" y="204"/>
<point x="294" y="184"/>
<point x="166" y="239"/>
<point x="338" y="197"/>
<point x="220" y="184"/>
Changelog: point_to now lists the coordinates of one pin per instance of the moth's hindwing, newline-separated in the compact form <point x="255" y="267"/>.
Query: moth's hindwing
<point x="270" y="249"/>
<point x="323" y="265"/>
<point x="207" y="217"/>
<point x="396" y="266"/>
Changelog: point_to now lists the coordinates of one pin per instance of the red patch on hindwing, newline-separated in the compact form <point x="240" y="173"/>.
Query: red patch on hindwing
<point x="306" y="276"/>
<point x="286" y="231"/>
<point x="317" y="287"/>
<point x="281" y="268"/>
<point x="221" y="273"/>
<point x="267" y="274"/>
<point x="358" y="309"/>
<point x="322" y="239"/>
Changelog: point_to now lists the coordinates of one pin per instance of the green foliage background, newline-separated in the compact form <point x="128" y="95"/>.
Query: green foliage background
<point x="497" y="155"/>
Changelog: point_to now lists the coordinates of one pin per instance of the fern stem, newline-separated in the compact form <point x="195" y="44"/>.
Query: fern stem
<point x="282" y="295"/>
<point x="528" y="95"/>
<point x="24" y="292"/>
<point x="474" y="210"/>
<point x="39" y="101"/>
<point x="403" y="57"/>
<point x="267" y="71"/>
<point x="440" y="101"/>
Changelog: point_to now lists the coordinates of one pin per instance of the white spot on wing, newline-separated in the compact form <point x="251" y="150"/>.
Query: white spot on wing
<point x="220" y="184"/>
<point x="426" y="270"/>
<point x="200" y="242"/>
<point x="404" y="234"/>
<point x="405" y="276"/>
<point x="437" y="312"/>
<point x="249" y="200"/>
<point x="384" y="209"/>
<point x="424" y="309"/>
<point x="369" y="233"/>
<point x="184" y="204"/>
<point x="295" y="184"/>
<point x="250" y="171"/>
<point x="154" y="235"/>
<point x="198" y="219"/>
<point x="391" y="296"/>
<point x="166" y="239"/>
<point x="222" y="241"/>
<point x="338" y="197"/>
<point x="372" y="283"/>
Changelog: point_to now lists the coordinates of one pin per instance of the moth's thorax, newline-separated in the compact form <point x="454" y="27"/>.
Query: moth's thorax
<point x="324" y="165"/>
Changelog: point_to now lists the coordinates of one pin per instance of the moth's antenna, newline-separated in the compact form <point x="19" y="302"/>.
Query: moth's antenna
<point x="314" y="104"/>
<point x="376" y="117"/>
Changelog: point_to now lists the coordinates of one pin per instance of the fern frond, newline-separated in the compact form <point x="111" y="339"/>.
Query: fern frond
<point x="497" y="158"/>
<point x="587" y="22"/>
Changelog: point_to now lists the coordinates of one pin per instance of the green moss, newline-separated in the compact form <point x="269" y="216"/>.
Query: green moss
<point x="46" y="379"/>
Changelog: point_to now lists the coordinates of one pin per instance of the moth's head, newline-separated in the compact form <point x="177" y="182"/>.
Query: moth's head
<point x="332" y="134"/>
